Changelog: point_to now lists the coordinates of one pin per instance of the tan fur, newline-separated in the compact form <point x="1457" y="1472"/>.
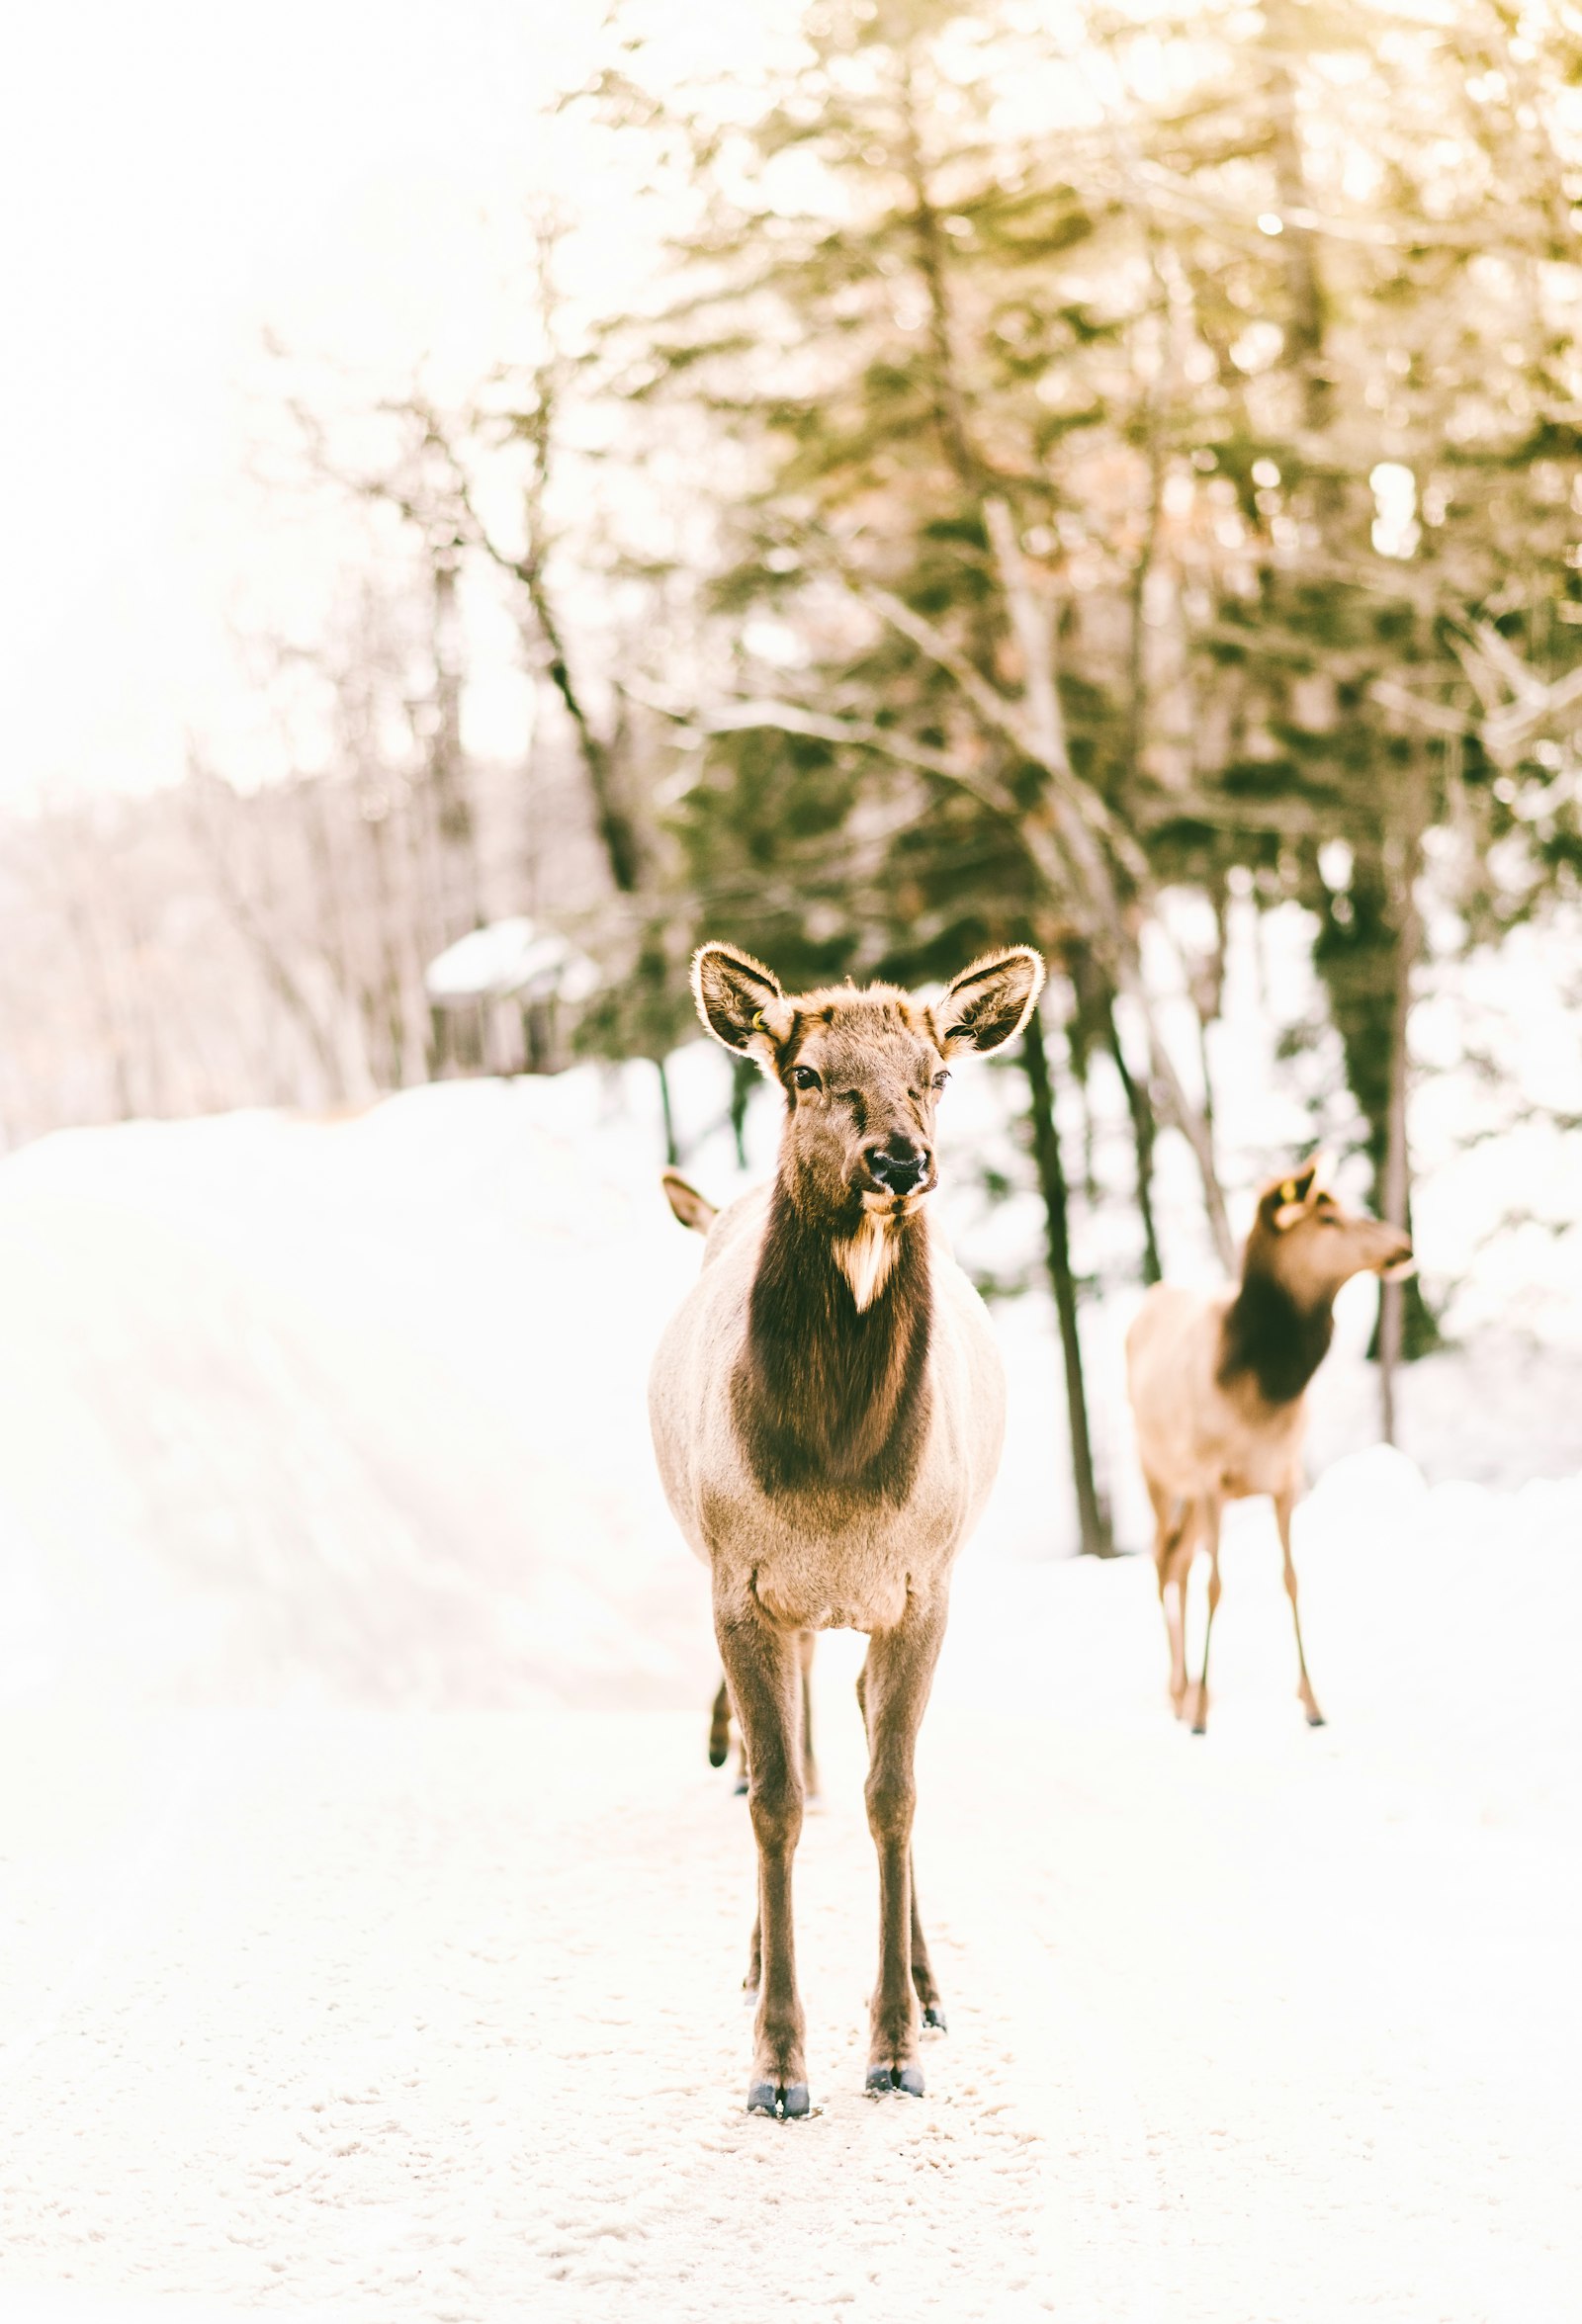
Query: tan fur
<point x="813" y="1520"/>
<point x="1210" y="1429"/>
<point x="867" y="1258"/>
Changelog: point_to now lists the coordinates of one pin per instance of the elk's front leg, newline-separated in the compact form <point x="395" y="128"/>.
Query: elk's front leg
<point x="896" y="1680"/>
<point x="763" y="1666"/>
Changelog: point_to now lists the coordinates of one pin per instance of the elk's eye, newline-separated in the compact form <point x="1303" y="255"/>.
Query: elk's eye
<point x="804" y="1078"/>
<point x="941" y="1079"/>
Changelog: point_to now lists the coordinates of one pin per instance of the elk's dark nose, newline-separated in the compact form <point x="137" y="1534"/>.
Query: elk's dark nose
<point x="898" y="1166"/>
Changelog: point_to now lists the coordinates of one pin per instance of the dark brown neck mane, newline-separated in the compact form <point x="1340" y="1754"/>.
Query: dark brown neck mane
<point x="1269" y="1336"/>
<point x="828" y="1396"/>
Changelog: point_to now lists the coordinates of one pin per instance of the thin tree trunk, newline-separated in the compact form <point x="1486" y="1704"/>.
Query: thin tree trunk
<point x="461" y="904"/>
<point x="673" y="1153"/>
<point x="1395" y="1191"/>
<point x="1143" y="1131"/>
<point x="1093" y="1518"/>
<point x="743" y="1077"/>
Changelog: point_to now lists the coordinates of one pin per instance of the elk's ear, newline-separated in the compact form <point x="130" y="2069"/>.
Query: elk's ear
<point x="989" y="1003"/>
<point x="738" y="1001"/>
<point x="691" y="1207"/>
<point x="1295" y="1194"/>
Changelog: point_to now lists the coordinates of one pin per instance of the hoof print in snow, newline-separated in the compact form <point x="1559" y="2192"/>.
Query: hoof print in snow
<point x="884" y="2079"/>
<point x="784" y="2101"/>
<point x="933" y="2019"/>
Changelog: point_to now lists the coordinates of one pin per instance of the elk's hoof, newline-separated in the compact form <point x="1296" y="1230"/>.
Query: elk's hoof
<point x="1200" y="1726"/>
<point x="785" y="2102"/>
<point x="718" y="1754"/>
<point x="933" y="2019"/>
<point x="742" y="1787"/>
<point x="883" y="2079"/>
<point x="1315" y="1719"/>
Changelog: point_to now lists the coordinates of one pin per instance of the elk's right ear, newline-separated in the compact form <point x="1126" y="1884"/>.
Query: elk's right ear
<point x="740" y="1001"/>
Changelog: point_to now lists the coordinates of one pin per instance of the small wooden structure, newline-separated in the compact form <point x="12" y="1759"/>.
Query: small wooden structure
<point x="504" y="998"/>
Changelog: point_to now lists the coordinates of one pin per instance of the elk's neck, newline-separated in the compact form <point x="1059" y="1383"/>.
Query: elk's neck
<point x="832" y="1392"/>
<point x="1271" y="1339"/>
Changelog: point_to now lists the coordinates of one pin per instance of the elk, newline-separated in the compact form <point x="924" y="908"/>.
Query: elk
<point x="828" y="1409"/>
<point x="1218" y="1383"/>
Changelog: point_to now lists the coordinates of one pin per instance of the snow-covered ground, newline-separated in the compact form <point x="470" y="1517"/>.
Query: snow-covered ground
<point x="374" y="1927"/>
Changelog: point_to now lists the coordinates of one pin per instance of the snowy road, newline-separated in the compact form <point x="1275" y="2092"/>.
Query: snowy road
<point x="436" y="2015"/>
<point x="372" y="1927"/>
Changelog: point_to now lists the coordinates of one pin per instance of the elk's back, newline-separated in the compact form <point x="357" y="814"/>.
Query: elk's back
<point x="1196" y="1436"/>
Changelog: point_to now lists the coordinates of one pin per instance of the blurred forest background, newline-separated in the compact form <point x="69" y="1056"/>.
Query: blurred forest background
<point x="1077" y="476"/>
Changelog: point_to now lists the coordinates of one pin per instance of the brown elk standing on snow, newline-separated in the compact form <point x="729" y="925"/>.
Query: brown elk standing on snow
<point x="828" y="1410"/>
<point x="1218" y="1385"/>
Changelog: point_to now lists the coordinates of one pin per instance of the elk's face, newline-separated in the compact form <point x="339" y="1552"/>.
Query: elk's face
<point x="1320" y="1245"/>
<point x="862" y="1070"/>
<point x="862" y="1079"/>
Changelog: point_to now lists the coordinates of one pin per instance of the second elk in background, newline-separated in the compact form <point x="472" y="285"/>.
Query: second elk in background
<point x="1218" y="1382"/>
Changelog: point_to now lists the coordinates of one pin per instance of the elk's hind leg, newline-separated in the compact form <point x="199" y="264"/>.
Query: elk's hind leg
<point x="928" y="1998"/>
<point x="1172" y="1559"/>
<point x="720" y="1728"/>
<point x="1284" y="1503"/>
<point x="807" y="1640"/>
<point x="894" y="1692"/>
<point x="1210" y="1521"/>
<point x="761" y="1665"/>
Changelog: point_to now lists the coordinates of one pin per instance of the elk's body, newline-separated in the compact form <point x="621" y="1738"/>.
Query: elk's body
<point x="1218" y="1383"/>
<point x="828" y="1407"/>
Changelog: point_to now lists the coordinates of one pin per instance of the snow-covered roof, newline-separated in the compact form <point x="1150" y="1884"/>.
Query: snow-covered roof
<point x="509" y="958"/>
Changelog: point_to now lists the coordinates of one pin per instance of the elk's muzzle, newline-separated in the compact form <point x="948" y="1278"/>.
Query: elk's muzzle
<point x="900" y="1165"/>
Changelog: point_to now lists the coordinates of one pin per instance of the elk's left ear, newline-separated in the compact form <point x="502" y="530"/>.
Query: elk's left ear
<point x="691" y="1209"/>
<point x="989" y="1003"/>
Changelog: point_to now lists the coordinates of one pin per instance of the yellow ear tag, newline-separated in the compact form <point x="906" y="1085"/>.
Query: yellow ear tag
<point x="1288" y="1193"/>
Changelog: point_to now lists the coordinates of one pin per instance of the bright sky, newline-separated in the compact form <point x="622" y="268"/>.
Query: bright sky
<point x="177" y="179"/>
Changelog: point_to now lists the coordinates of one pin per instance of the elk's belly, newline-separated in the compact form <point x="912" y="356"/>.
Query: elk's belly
<point x="855" y="1575"/>
<point x="806" y="1598"/>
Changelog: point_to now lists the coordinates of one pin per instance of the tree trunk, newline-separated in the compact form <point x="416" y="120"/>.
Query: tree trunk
<point x="1143" y="1130"/>
<point x="1395" y="1191"/>
<point x="673" y="1153"/>
<point x="1093" y="1518"/>
<point x="459" y="901"/>
<point x="744" y="1079"/>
